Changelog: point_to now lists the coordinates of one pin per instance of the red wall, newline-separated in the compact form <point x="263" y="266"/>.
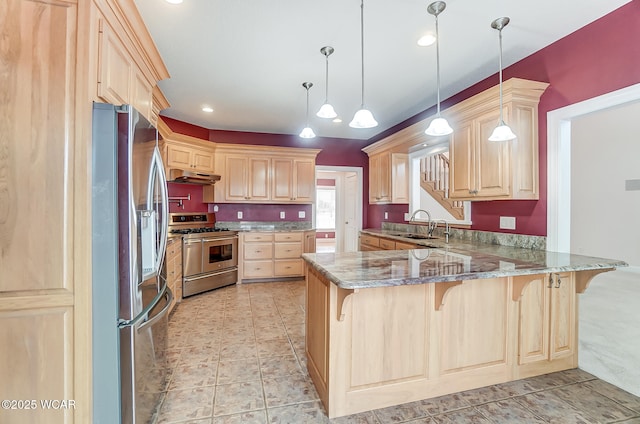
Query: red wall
<point x="269" y="213"/>
<point x="599" y="58"/>
<point x="184" y="190"/>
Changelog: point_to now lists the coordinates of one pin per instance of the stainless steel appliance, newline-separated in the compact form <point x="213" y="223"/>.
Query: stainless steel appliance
<point x="130" y="296"/>
<point x="209" y="254"/>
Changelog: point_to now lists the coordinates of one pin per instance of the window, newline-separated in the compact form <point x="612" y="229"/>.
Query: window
<point x="326" y="208"/>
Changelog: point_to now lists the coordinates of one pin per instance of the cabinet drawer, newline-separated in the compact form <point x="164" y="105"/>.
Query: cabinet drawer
<point x="288" y="236"/>
<point x="369" y="240"/>
<point x="248" y="237"/>
<point x="287" y="250"/>
<point x="257" y="269"/>
<point x="258" y="251"/>
<point x="404" y="246"/>
<point x="387" y="244"/>
<point x="289" y="268"/>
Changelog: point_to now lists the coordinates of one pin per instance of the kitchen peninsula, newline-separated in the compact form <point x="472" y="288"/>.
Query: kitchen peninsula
<point x="390" y="327"/>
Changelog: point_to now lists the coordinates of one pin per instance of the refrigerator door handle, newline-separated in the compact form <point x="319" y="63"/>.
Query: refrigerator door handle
<point x="145" y="312"/>
<point x="157" y="160"/>
<point x="169" y="294"/>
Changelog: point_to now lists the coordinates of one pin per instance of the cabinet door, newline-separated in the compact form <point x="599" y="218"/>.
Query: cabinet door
<point x="399" y="178"/>
<point x="178" y="156"/>
<point x="236" y="178"/>
<point x="310" y="242"/>
<point x="380" y="178"/>
<point x="259" y="178"/>
<point x="304" y="181"/>
<point x="115" y="67"/>
<point x="563" y="315"/>
<point x="492" y="159"/>
<point x="462" y="162"/>
<point x="533" y="334"/>
<point x="202" y="160"/>
<point x="282" y="180"/>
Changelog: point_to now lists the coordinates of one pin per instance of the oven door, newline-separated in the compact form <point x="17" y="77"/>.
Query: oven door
<point x="219" y="253"/>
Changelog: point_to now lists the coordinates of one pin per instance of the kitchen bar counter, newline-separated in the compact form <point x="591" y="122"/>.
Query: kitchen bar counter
<point x="453" y="262"/>
<point x="390" y="327"/>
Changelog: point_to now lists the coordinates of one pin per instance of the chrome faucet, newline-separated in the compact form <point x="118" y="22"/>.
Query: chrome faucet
<point x="431" y="226"/>
<point x="447" y="231"/>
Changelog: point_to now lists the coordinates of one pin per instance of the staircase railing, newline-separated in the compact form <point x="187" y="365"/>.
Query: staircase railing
<point x="434" y="179"/>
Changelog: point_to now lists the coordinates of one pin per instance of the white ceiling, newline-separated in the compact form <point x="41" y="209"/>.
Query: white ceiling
<point x="248" y="58"/>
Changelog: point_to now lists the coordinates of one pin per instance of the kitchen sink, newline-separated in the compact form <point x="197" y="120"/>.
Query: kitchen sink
<point x="420" y="236"/>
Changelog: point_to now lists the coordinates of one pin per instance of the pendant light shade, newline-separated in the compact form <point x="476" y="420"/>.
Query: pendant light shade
<point x="363" y="117"/>
<point x="438" y="126"/>
<point x="326" y="110"/>
<point x="502" y="131"/>
<point x="307" y="132"/>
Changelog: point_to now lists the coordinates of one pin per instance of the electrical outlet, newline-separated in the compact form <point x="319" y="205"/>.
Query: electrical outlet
<point x="239" y="214"/>
<point x="406" y="216"/>
<point x="215" y="208"/>
<point x="281" y="214"/>
<point x="386" y="215"/>
<point x="301" y="214"/>
<point x="508" y="222"/>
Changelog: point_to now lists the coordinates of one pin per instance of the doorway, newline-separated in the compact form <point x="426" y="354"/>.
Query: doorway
<point x="593" y="213"/>
<point x="338" y="209"/>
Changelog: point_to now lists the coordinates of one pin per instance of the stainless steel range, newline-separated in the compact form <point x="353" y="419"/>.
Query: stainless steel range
<point x="209" y="254"/>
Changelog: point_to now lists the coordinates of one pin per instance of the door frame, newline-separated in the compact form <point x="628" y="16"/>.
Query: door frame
<point x="340" y="195"/>
<point x="559" y="161"/>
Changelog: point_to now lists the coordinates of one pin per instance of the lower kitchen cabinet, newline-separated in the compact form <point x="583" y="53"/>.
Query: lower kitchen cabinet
<point x="174" y="269"/>
<point x="369" y="242"/>
<point x="547" y="317"/>
<point x="271" y="255"/>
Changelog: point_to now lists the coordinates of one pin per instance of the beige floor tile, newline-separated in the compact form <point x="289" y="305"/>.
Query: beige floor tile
<point x="276" y="347"/>
<point x="194" y="375"/>
<point x="592" y="403"/>
<point x="624" y="398"/>
<point x="238" y="371"/>
<point x="484" y="395"/>
<point x="508" y="411"/>
<point x="443" y="404"/>
<point x="401" y="413"/>
<point x="288" y="390"/>
<point x="301" y="413"/>
<point x="552" y="409"/>
<point x="237" y="398"/>
<point x="252" y="417"/>
<point x="466" y="416"/>
<point x="181" y="405"/>
<point x="279" y="366"/>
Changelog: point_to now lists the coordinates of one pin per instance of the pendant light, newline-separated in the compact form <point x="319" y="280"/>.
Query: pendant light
<point x="307" y="132"/>
<point x="438" y="126"/>
<point x="363" y="117"/>
<point x="502" y="131"/>
<point x="326" y="110"/>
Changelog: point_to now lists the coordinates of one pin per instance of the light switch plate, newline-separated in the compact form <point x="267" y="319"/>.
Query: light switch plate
<point x="406" y="216"/>
<point x="508" y="222"/>
<point x="239" y="214"/>
<point x="301" y="214"/>
<point x="386" y="215"/>
<point x="281" y="214"/>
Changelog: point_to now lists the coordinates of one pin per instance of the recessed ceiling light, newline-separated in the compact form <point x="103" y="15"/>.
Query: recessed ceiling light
<point x="337" y="120"/>
<point x="427" y="40"/>
<point x="174" y="1"/>
<point x="206" y="108"/>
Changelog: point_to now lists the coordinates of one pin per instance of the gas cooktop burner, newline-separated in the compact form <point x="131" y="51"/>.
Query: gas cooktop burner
<point x="197" y="230"/>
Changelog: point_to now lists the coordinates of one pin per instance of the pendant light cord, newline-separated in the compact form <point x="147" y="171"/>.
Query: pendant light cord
<point x="326" y="80"/>
<point x="500" y="38"/>
<point x="307" y="106"/>
<point x="438" y="63"/>
<point x="362" y="49"/>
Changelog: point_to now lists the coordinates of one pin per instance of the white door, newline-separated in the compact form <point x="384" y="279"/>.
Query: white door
<point x="351" y="222"/>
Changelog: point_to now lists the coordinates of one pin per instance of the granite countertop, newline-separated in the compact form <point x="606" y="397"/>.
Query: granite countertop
<point x="443" y="262"/>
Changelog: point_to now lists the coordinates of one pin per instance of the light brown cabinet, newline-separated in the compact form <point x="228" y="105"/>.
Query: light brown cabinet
<point x="270" y="255"/>
<point x="189" y="157"/>
<point x="310" y="241"/>
<point x="174" y="269"/>
<point x="246" y="178"/>
<point x="258" y="174"/>
<point x="480" y="169"/>
<point x="369" y="242"/>
<point x="547" y="317"/>
<point x="388" y="177"/>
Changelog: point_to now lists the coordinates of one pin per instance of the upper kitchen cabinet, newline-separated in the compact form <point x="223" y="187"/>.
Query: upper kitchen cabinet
<point x="264" y="174"/>
<point x="125" y="59"/>
<point x="485" y="170"/>
<point x="185" y="153"/>
<point x="388" y="176"/>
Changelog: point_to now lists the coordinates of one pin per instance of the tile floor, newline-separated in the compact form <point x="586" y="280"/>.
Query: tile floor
<point x="237" y="356"/>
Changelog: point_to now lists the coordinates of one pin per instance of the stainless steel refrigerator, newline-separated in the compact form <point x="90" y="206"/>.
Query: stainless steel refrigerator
<point x="130" y="295"/>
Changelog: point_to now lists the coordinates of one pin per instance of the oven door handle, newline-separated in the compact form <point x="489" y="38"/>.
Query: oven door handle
<point x="192" y="241"/>
<point x="219" y="239"/>
<point x="210" y="274"/>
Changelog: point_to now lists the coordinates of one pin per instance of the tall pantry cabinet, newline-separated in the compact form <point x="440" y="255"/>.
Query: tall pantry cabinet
<point x="49" y="78"/>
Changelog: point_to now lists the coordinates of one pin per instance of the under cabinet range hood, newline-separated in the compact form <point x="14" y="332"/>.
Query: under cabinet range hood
<point x="190" y="177"/>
